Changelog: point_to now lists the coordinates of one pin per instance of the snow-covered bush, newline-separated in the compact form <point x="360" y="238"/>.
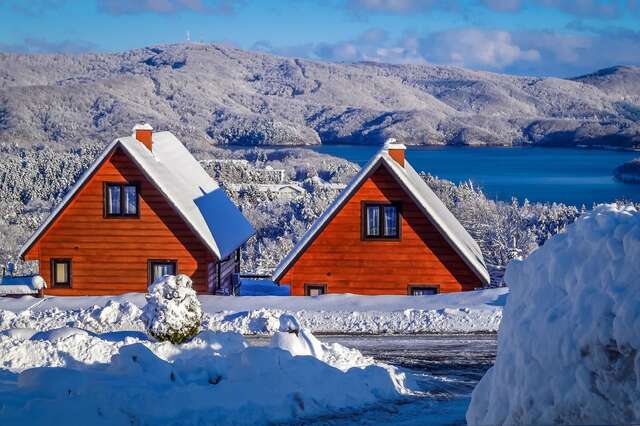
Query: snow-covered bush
<point x="173" y="312"/>
<point x="569" y="342"/>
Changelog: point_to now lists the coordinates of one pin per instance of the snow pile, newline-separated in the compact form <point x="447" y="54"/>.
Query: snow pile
<point x="215" y="378"/>
<point x="296" y="340"/>
<point x="469" y="312"/>
<point x="173" y="312"/>
<point x="569" y="345"/>
<point x="113" y="316"/>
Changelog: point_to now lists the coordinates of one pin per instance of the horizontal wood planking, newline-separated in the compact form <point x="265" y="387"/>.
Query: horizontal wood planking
<point x="109" y="256"/>
<point x="339" y="257"/>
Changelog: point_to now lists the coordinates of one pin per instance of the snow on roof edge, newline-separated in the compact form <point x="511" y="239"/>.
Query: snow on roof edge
<point x="472" y="256"/>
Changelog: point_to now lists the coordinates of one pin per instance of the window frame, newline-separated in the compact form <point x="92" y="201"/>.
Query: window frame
<point x="152" y="262"/>
<point x="121" y="215"/>
<point x="413" y="287"/>
<point x="381" y="219"/>
<point x="54" y="282"/>
<point x="309" y="286"/>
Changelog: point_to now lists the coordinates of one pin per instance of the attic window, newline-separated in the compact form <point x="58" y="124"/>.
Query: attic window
<point x="381" y="221"/>
<point x="121" y="200"/>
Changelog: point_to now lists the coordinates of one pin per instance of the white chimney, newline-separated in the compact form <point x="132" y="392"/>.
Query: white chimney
<point x="396" y="150"/>
<point x="144" y="134"/>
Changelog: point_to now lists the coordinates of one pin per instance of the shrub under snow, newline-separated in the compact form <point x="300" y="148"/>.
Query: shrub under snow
<point x="569" y="342"/>
<point x="173" y="312"/>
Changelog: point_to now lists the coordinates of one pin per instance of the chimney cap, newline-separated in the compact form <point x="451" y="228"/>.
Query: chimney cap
<point x="392" y="143"/>
<point x="142" y="126"/>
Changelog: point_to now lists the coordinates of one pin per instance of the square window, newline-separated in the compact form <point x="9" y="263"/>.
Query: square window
<point x="315" y="289"/>
<point x="121" y="200"/>
<point x="160" y="268"/>
<point x="61" y="272"/>
<point x="381" y="221"/>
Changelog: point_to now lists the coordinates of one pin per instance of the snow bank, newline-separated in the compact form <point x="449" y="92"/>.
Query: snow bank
<point x="215" y="378"/>
<point x="569" y="345"/>
<point x="469" y="312"/>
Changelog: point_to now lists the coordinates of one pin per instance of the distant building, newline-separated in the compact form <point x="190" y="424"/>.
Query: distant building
<point x="386" y="233"/>
<point x="145" y="208"/>
<point x="281" y="190"/>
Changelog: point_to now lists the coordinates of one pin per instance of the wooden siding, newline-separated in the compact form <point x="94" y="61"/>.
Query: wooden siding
<point x="109" y="255"/>
<point x="339" y="257"/>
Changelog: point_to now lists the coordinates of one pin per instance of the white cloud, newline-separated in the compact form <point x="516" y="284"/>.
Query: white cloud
<point x="128" y="7"/>
<point x="402" y="7"/>
<point x="503" y="5"/>
<point x="475" y="48"/>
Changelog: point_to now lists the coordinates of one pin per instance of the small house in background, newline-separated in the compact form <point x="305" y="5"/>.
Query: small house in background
<point x="386" y="233"/>
<point x="145" y="208"/>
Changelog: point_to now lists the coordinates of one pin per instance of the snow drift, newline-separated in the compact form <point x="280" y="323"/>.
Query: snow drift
<point x="468" y="312"/>
<point x="569" y="342"/>
<point x="117" y="378"/>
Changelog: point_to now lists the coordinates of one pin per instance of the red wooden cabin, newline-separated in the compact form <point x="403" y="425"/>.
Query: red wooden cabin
<point x="386" y="233"/>
<point x="145" y="208"/>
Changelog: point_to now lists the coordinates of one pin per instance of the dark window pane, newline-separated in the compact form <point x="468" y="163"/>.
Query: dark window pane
<point x="130" y="200"/>
<point x="424" y="291"/>
<point x="373" y="221"/>
<point x="390" y="221"/>
<point x="315" y="290"/>
<point x="113" y="199"/>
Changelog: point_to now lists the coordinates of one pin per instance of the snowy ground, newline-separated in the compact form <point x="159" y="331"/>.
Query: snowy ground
<point x="118" y="378"/>
<point x="470" y="312"/>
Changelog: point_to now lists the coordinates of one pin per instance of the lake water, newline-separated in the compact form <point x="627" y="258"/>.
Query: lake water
<point x="572" y="176"/>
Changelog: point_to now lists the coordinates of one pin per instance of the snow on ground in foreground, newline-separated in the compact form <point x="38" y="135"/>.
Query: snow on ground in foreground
<point x="569" y="344"/>
<point x="115" y="378"/>
<point x="469" y="312"/>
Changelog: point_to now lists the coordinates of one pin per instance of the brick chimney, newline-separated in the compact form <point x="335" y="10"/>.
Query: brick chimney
<point x="144" y="134"/>
<point x="395" y="150"/>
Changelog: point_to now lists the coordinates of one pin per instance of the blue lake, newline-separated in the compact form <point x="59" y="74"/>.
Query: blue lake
<point x="572" y="176"/>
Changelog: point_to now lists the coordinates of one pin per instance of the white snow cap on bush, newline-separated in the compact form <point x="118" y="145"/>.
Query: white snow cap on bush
<point x="173" y="312"/>
<point x="569" y="342"/>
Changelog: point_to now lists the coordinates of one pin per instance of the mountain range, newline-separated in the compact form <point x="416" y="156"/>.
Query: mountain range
<point x="215" y="94"/>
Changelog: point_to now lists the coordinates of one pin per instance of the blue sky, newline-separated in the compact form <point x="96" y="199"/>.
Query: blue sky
<point x="536" y="37"/>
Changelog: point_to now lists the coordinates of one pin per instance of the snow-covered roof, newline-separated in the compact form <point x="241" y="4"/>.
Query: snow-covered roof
<point x="423" y="196"/>
<point x="21" y="285"/>
<point x="196" y="197"/>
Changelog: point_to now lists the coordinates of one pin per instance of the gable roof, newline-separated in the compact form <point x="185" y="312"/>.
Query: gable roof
<point x="195" y="196"/>
<point x="437" y="213"/>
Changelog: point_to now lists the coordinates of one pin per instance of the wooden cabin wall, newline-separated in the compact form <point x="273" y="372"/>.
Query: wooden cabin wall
<point x="339" y="258"/>
<point x="110" y="255"/>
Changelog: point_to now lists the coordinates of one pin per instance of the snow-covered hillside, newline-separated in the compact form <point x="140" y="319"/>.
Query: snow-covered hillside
<point x="477" y="311"/>
<point x="208" y="93"/>
<point x="569" y="342"/>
